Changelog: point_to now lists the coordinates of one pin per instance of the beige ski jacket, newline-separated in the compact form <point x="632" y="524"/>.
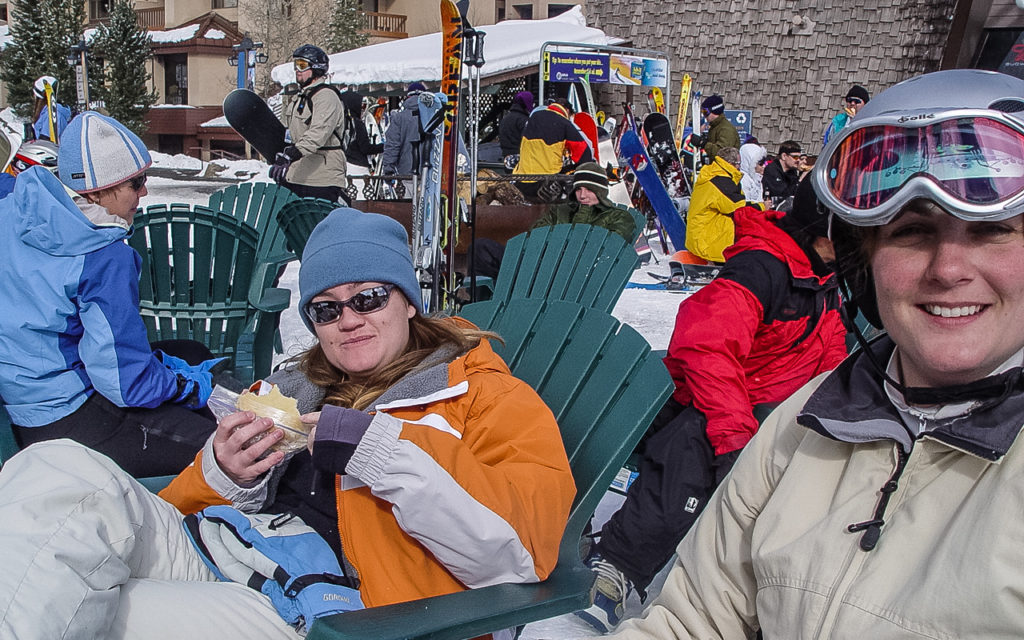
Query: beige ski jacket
<point x="774" y="548"/>
<point x="316" y="121"/>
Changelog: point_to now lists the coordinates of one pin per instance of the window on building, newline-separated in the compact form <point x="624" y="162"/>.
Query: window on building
<point x="225" y="4"/>
<point x="286" y="9"/>
<point x="372" y="6"/>
<point x="3" y="12"/>
<point x="499" y="10"/>
<point x="996" y="45"/>
<point x="99" y="9"/>
<point x="524" y="11"/>
<point x="558" y="9"/>
<point x="176" y="79"/>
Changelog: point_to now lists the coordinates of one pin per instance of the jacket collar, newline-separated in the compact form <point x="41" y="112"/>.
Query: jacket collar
<point x="851" y="405"/>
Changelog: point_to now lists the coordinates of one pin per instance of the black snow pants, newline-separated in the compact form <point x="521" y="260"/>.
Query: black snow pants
<point x="678" y="472"/>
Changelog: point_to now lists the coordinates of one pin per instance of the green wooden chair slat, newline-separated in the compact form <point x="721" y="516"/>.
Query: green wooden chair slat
<point x="297" y="219"/>
<point x="546" y="270"/>
<point x="579" y="263"/>
<point x="617" y="394"/>
<point x="639" y="222"/>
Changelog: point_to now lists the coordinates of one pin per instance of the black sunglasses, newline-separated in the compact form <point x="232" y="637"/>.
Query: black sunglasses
<point x="137" y="182"/>
<point x="366" y="301"/>
<point x="854" y="101"/>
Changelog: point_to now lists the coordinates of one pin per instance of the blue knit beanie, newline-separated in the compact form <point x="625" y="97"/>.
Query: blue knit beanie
<point x="351" y="246"/>
<point x="97" y="152"/>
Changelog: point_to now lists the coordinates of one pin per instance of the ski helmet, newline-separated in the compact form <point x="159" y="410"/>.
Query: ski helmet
<point x="962" y="150"/>
<point x="39" y="86"/>
<point x="35" y="152"/>
<point x="315" y="57"/>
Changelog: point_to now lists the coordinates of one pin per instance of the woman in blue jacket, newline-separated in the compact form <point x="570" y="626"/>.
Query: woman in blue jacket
<point x="74" y="358"/>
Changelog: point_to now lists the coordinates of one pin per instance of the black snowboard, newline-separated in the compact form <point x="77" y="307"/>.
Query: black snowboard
<point x="249" y="115"/>
<point x="661" y="147"/>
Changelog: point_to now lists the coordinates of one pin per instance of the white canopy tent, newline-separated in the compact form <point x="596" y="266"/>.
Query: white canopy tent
<point x="509" y="46"/>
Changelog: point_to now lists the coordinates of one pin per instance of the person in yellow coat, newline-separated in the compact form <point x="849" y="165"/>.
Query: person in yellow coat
<point x="716" y="194"/>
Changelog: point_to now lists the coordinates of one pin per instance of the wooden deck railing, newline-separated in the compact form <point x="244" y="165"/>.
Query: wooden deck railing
<point x="388" y="25"/>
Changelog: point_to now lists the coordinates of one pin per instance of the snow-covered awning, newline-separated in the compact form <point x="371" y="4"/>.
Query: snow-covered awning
<point x="508" y="46"/>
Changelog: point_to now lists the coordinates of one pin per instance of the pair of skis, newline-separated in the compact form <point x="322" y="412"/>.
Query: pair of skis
<point x="436" y="206"/>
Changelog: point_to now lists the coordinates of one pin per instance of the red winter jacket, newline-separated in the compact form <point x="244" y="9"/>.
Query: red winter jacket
<point x="760" y="330"/>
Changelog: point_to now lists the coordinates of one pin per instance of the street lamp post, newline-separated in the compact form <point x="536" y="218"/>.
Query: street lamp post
<point x="78" y="58"/>
<point x="245" y="59"/>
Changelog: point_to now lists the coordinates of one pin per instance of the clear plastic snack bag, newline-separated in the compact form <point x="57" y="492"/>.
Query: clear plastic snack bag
<point x="266" y="401"/>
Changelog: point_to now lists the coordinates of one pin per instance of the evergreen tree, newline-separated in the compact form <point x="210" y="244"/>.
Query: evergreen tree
<point x="124" y="47"/>
<point x="344" y="31"/>
<point x="42" y="32"/>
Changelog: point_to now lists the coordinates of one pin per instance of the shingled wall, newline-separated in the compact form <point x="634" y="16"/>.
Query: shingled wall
<point x="744" y="50"/>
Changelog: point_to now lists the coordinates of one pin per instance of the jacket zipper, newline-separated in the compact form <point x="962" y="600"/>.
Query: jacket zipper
<point x="872" y="531"/>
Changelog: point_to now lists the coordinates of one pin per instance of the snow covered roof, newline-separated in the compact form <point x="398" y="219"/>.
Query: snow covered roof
<point x="508" y="46"/>
<point x="174" y="35"/>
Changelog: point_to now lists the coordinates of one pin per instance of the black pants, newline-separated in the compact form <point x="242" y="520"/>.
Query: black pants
<point x="144" y="442"/>
<point x="487" y="255"/>
<point x="334" y="194"/>
<point x="678" y="473"/>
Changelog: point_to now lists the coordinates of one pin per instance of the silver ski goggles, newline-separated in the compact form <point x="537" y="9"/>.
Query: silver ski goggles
<point x="969" y="161"/>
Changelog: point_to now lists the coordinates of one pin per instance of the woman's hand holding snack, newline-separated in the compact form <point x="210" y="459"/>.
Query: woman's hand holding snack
<point x="237" y="455"/>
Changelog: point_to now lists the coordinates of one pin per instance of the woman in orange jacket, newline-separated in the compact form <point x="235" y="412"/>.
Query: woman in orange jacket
<point x="430" y="469"/>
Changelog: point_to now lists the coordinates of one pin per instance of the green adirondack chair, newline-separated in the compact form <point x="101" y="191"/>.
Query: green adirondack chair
<point x="198" y="271"/>
<point x="297" y="219"/>
<point x="578" y="263"/>
<point x="257" y="204"/>
<point x="604" y="387"/>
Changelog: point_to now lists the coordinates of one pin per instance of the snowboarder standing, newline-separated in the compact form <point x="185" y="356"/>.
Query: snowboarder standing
<point x="313" y="165"/>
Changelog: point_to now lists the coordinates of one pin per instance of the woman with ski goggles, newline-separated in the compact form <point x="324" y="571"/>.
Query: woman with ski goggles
<point x="882" y="499"/>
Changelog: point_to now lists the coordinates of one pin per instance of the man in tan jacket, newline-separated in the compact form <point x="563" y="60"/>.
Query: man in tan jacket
<point x="313" y="165"/>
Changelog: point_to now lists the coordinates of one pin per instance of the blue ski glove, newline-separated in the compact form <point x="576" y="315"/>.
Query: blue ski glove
<point x="282" y="161"/>
<point x="195" y="382"/>
<point x="278" y="555"/>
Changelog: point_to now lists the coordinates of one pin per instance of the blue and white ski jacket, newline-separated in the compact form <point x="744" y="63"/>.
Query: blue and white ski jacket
<point x="69" y="291"/>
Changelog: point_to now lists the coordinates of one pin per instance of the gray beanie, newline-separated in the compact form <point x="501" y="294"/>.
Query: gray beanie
<point x="351" y="246"/>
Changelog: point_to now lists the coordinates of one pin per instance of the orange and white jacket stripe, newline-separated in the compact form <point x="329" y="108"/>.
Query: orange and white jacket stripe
<point x="464" y="485"/>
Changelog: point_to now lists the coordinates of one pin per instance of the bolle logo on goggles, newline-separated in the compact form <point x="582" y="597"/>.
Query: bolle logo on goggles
<point x="923" y="116"/>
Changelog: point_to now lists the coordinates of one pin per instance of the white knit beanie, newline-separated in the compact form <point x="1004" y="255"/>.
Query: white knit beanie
<point x="97" y="152"/>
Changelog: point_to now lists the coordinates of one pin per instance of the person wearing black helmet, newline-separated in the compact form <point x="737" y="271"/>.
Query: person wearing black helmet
<point x="313" y="165"/>
<point x="882" y="500"/>
<point x="720" y="132"/>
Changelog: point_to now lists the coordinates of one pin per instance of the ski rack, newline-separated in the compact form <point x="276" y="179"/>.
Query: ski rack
<point x="604" y="48"/>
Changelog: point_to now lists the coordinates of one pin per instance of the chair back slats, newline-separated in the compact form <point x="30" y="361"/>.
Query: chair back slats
<point x="197" y="266"/>
<point x="578" y="263"/>
<point x="298" y="218"/>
